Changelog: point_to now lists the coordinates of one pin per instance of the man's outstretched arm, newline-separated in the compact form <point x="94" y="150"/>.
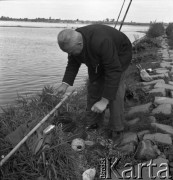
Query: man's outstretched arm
<point x="71" y="71"/>
<point x="69" y="76"/>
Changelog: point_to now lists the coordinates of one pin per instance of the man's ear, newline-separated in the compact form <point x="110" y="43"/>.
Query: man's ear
<point x="80" y="43"/>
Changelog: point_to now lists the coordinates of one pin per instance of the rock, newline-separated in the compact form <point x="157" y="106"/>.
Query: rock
<point x="127" y="148"/>
<point x="158" y="91"/>
<point x="160" y="75"/>
<point x="153" y="82"/>
<point x="133" y="121"/>
<point x="129" y="137"/>
<point x="142" y="133"/>
<point x="160" y="68"/>
<point x="171" y="82"/>
<point x="171" y="75"/>
<point x="163" y="108"/>
<point x="165" y="64"/>
<point x="146" y="88"/>
<point x="89" y="174"/>
<point x="165" y="53"/>
<point x="141" y="108"/>
<point x="163" y="100"/>
<point x="152" y="119"/>
<point x="165" y="128"/>
<point x="159" y="137"/>
<point x="161" y="71"/>
<point x="166" y="59"/>
<point x="147" y="150"/>
<point x="161" y="85"/>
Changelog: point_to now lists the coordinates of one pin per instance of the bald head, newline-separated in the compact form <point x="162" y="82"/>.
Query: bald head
<point x="70" y="40"/>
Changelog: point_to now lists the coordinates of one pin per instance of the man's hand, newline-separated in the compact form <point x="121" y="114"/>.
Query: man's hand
<point x="62" y="88"/>
<point x="100" y="106"/>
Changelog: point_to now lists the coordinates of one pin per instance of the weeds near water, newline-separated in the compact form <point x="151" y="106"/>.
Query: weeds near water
<point x="170" y="41"/>
<point x="169" y="29"/>
<point x="143" y="45"/>
<point x="61" y="159"/>
<point x="155" y="30"/>
<point x="169" y="33"/>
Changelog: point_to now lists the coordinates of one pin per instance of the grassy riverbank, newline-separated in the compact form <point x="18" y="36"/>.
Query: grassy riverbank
<point x="169" y="32"/>
<point x="60" y="161"/>
<point x="32" y="110"/>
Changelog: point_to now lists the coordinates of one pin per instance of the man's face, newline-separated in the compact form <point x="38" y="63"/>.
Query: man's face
<point x="74" y="49"/>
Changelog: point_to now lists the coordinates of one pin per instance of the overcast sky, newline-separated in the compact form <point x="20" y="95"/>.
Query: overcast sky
<point x="140" y="10"/>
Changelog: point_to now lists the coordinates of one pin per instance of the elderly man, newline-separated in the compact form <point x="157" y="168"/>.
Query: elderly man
<point x="107" y="53"/>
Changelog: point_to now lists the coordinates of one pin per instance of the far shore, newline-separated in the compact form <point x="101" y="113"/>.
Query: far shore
<point x="63" y="24"/>
<point x="58" y="21"/>
<point x="51" y="27"/>
<point x="34" y="26"/>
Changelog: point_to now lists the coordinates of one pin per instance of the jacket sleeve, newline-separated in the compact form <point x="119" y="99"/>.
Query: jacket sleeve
<point x="71" y="70"/>
<point x="112" y="69"/>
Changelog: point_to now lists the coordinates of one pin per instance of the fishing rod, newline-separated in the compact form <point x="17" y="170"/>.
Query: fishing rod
<point x="125" y="15"/>
<point x="119" y="14"/>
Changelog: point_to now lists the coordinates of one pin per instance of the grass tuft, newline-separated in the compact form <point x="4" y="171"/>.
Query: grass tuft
<point x="155" y="30"/>
<point x="169" y="29"/>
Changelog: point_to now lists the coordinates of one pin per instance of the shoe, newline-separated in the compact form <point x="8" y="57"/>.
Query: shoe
<point x="117" y="137"/>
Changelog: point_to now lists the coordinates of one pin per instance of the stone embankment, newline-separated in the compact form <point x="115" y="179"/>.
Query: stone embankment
<point x="149" y="143"/>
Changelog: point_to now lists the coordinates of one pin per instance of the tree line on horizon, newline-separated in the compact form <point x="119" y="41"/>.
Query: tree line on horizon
<point x="50" y="20"/>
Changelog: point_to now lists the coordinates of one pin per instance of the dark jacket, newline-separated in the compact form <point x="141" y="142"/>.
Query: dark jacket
<point x="107" y="53"/>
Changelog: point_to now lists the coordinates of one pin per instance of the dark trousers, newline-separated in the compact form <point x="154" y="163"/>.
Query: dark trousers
<point x="116" y="107"/>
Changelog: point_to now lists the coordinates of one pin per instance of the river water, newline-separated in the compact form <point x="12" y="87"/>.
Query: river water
<point x="30" y="57"/>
